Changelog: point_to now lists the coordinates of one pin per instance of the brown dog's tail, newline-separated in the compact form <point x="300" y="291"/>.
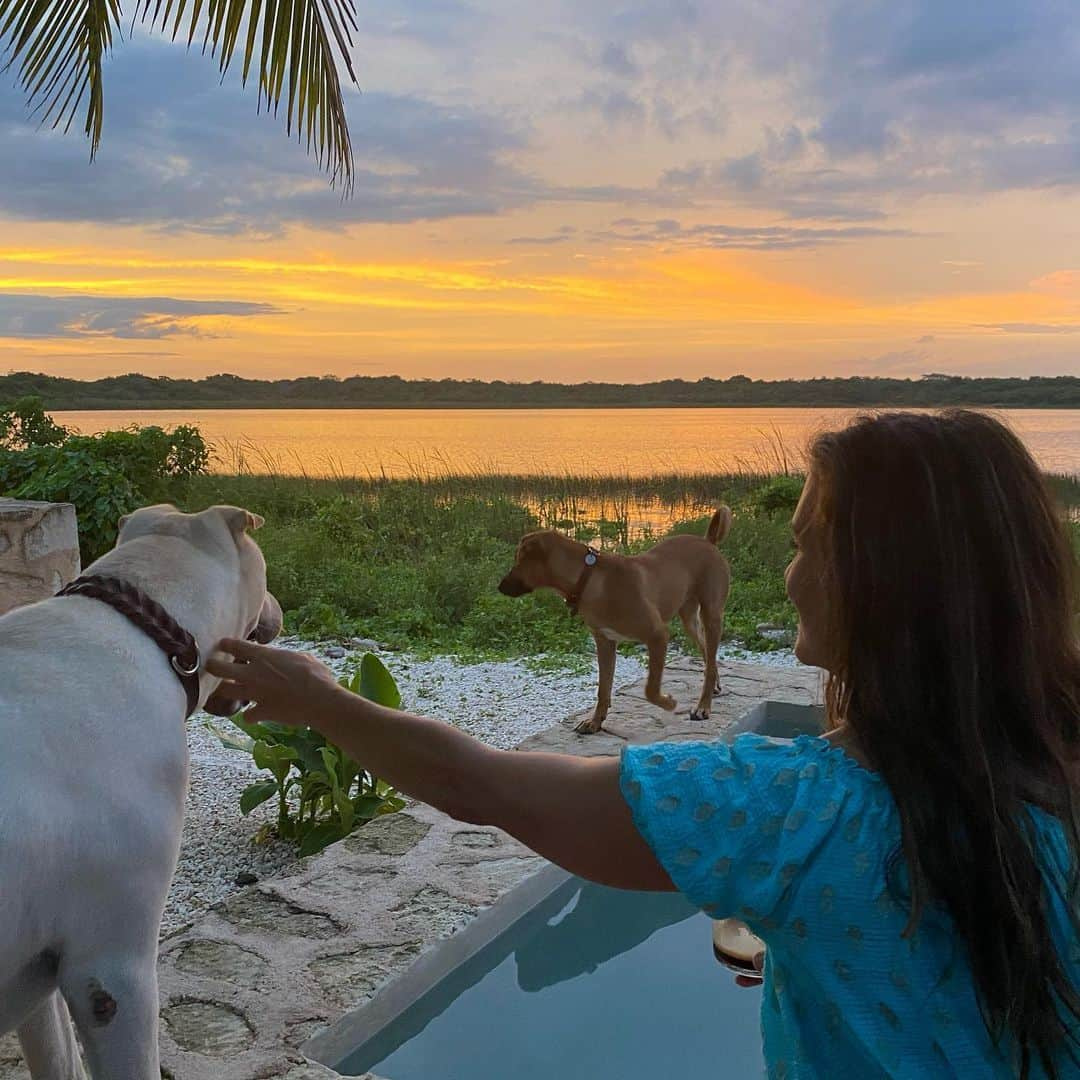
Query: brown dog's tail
<point x="719" y="526"/>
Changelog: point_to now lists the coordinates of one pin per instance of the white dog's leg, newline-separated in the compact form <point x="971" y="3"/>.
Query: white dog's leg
<point x="48" y="1042"/>
<point x="113" y="1000"/>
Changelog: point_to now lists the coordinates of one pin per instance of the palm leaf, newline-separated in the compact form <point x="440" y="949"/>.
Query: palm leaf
<point x="58" y="46"/>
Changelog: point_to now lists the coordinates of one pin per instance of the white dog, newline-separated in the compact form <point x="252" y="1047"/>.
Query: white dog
<point x="93" y="778"/>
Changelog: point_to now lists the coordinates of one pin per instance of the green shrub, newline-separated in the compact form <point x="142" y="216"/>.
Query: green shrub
<point x="322" y="793"/>
<point x="25" y="424"/>
<point x="105" y="476"/>
<point x="778" y="495"/>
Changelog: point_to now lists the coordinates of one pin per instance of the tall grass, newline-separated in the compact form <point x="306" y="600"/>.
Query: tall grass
<point x="415" y="563"/>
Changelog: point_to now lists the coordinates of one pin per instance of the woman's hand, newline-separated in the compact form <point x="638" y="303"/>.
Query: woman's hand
<point x="288" y="687"/>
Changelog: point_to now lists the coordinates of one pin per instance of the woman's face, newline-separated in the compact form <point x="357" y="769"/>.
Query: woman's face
<point x="806" y="579"/>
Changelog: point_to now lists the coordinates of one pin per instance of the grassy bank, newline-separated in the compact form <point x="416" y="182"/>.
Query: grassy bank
<point x="415" y="563"/>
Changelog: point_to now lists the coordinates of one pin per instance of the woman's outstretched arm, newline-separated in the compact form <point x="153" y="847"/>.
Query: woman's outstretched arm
<point x="568" y="809"/>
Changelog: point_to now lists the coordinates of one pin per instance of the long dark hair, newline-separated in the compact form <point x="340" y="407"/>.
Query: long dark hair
<point x="952" y="591"/>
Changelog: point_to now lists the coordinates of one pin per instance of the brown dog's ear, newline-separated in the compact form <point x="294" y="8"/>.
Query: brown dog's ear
<point x="531" y="547"/>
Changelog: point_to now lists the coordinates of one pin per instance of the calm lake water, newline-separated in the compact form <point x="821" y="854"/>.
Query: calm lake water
<point x="552" y="442"/>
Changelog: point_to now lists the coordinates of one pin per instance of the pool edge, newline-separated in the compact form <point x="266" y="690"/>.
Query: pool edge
<point x="335" y="1045"/>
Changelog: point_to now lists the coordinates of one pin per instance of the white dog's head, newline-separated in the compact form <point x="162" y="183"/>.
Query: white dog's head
<point x="222" y="533"/>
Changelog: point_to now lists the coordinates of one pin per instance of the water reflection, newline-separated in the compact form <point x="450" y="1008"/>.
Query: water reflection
<point x="596" y="925"/>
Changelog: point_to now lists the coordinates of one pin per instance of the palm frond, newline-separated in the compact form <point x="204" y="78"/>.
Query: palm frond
<point x="59" y="47"/>
<point x="296" y="44"/>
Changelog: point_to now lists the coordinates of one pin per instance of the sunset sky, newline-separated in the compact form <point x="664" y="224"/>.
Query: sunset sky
<point x="573" y="191"/>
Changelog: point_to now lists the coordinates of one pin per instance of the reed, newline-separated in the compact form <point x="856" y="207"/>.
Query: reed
<point x="414" y="561"/>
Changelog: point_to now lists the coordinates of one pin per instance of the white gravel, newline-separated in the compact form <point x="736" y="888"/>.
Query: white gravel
<point x="499" y="702"/>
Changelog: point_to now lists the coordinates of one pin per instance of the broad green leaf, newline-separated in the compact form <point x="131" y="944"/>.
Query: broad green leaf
<point x="343" y="805"/>
<point x="314" y="786"/>
<point x="251" y="728"/>
<point x="367" y="806"/>
<point x="332" y="764"/>
<point x="256" y="794"/>
<point x="319" y="837"/>
<point x="277" y="759"/>
<point x="392" y="806"/>
<point x="231" y="740"/>
<point x="307" y="743"/>
<point x="377" y="684"/>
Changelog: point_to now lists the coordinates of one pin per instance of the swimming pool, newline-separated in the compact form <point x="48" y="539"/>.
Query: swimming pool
<point x="587" y="982"/>
<point x="563" y="978"/>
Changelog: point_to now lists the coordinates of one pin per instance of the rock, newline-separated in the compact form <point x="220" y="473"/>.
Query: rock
<point x="223" y="961"/>
<point x="498" y="875"/>
<point x="472" y="839"/>
<point x="433" y="910"/>
<point x="268" y="912"/>
<point x="309" y="1071"/>
<point x="246" y="877"/>
<point x="368" y="645"/>
<point x="338" y="888"/>
<point x="334" y="652"/>
<point x="39" y="550"/>
<point x="209" y="1028"/>
<point x="352" y="977"/>
<point x="392" y="835"/>
<point x="298" y="1032"/>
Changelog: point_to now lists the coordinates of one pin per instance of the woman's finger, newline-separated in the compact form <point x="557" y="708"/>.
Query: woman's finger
<point x="227" y="669"/>
<point x="243" y="650"/>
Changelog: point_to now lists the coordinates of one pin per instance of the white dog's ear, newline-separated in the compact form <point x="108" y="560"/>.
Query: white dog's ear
<point x="239" y="521"/>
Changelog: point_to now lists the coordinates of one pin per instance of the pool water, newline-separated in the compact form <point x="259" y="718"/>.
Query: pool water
<point x="590" y="982"/>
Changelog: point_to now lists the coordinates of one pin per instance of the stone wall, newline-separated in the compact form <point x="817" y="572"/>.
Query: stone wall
<point x="39" y="550"/>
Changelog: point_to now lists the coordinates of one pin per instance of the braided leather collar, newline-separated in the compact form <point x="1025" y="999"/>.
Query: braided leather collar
<point x="153" y="620"/>
<point x="574" y="598"/>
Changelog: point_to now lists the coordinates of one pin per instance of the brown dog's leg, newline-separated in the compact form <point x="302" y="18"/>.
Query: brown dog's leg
<point x="690" y="614"/>
<point x="657" y="646"/>
<point x="605" y="658"/>
<point x="714" y="625"/>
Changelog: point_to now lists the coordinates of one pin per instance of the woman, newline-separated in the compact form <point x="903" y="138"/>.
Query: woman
<point x="914" y="873"/>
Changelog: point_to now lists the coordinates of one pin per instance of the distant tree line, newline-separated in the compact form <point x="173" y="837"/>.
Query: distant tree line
<point x="392" y="391"/>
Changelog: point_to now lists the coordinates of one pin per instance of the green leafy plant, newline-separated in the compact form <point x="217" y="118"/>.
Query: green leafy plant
<point x="323" y="794"/>
<point x="26" y="423"/>
<point x="105" y="476"/>
<point x="779" y="495"/>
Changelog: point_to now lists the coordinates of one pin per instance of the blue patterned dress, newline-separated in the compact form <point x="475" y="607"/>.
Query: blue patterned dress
<point x="793" y="838"/>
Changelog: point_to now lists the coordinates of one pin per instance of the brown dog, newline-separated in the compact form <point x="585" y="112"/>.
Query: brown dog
<point x="633" y="598"/>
